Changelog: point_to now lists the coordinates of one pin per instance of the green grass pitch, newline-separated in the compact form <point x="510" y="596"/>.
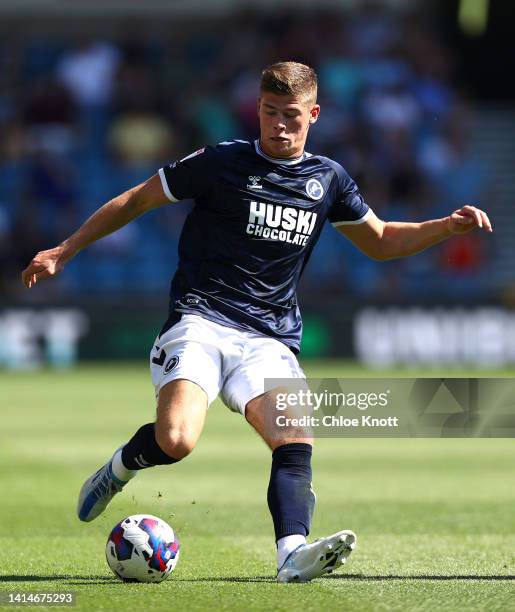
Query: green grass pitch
<point x="435" y="518"/>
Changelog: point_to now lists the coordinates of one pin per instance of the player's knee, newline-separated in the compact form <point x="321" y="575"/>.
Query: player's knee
<point x="175" y="443"/>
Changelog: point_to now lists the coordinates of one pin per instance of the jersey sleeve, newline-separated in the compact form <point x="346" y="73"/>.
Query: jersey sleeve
<point x="348" y="207"/>
<point x="191" y="176"/>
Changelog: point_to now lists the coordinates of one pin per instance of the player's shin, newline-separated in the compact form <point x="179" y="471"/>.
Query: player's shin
<point x="291" y="499"/>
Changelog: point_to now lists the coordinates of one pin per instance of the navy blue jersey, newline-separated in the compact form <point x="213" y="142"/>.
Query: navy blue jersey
<point x="251" y="231"/>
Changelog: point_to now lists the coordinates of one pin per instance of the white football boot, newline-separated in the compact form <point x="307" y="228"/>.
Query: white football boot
<point x="98" y="491"/>
<point x="322" y="556"/>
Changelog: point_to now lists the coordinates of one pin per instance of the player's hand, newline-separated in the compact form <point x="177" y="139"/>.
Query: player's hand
<point x="467" y="218"/>
<point x="44" y="264"/>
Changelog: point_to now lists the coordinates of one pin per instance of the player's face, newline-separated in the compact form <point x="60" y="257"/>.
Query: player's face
<point x="284" y="122"/>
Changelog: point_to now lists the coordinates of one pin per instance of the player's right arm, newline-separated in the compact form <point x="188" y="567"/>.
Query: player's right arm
<point x="110" y="217"/>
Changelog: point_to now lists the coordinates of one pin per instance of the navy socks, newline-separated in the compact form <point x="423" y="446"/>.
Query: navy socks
<point x="290" y="497"/>
<point x="142" y="450"/>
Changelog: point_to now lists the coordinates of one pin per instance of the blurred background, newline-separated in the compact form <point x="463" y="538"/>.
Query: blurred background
<point x="418" y="103"/>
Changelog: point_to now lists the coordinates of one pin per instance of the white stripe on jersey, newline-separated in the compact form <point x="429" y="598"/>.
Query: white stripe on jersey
<point x="164" y="184"/>
<point x="231" y="142"/>
<point x="194" y="154"/>
<point x="356" y="222"/>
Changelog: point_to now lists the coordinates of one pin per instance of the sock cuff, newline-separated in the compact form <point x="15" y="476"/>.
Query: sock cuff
<point x="296" y="452"/>
<point x="142" y="450"/>
<point x="287" y="528"/>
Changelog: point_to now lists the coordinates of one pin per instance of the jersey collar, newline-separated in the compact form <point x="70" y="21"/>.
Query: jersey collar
<point x="277" y="160"/>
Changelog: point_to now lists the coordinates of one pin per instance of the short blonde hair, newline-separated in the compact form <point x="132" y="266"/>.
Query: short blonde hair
<point x="290" y="79"/>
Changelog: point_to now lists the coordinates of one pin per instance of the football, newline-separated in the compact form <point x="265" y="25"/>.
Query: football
<point x="142" y="548"/>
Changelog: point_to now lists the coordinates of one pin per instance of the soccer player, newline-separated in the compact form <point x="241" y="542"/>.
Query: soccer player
<point x="233" y="318"/>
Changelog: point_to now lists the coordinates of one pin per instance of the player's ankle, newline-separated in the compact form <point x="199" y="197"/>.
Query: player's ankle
<point x="286" y="545"/>
<point x="119" y="470"/>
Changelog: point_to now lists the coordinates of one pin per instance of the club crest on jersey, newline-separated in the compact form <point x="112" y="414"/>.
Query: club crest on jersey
<point x="314" y="189"/>
<point x="254" y="182"/>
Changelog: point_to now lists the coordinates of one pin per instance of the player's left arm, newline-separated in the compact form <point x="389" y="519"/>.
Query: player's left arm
<point x="382" y="240"/>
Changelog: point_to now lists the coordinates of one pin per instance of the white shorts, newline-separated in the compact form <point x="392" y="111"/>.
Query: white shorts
<point x="220" y="360"/>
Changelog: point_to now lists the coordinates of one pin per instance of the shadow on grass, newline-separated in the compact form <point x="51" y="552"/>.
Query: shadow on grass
<point x="85" y="580"/>
<point x="75" y="580"/>
<point x="227" y="579"/>
<point x="71" y="579"/>
<point x="360" y="577"/>
<point x="417" y="577"/>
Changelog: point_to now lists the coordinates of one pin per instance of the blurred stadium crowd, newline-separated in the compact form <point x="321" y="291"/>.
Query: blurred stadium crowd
<point x="82" y="121"/>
